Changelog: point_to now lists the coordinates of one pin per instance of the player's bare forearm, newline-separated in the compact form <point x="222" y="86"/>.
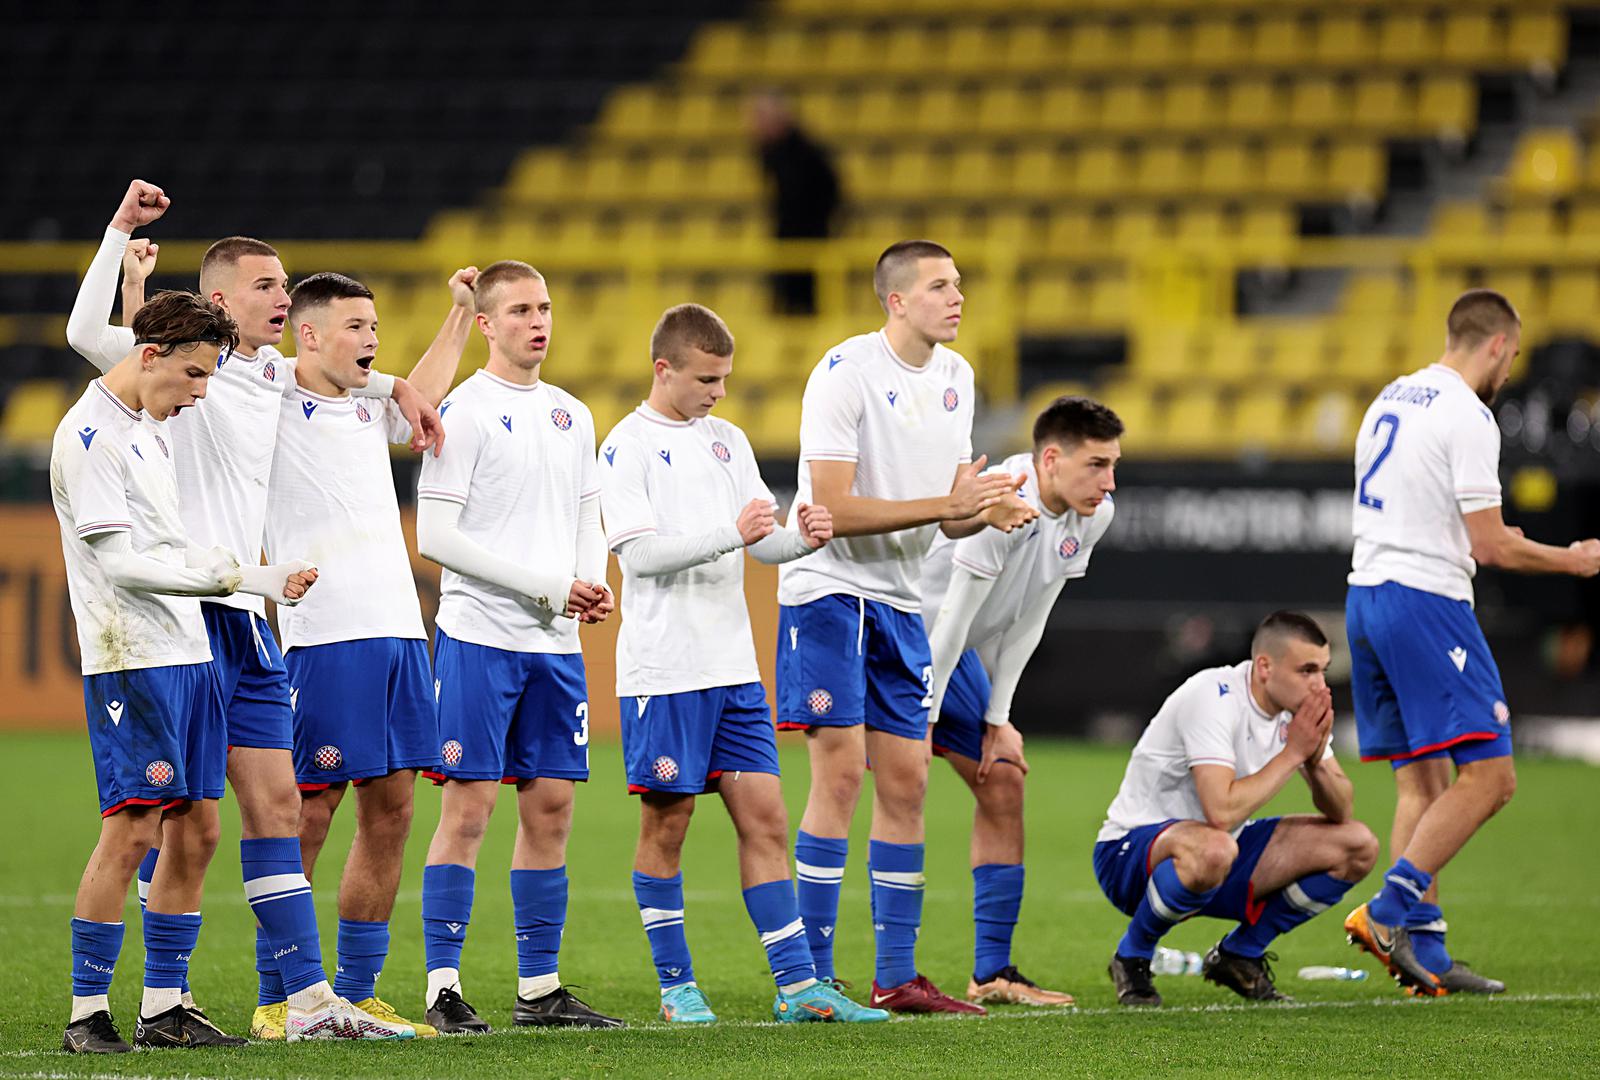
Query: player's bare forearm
<point x="856" y="515"/>
<point x="436" y="371"/>
<point x="1229" y="804"/>
<point x="1332" y="792"/>
<point x="132" y="300"/>
<point x="955" y="530"/>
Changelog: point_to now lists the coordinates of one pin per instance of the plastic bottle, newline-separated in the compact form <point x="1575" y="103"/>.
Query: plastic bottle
<point x="1342" y="974"/>
<point x="1175" y="962"/>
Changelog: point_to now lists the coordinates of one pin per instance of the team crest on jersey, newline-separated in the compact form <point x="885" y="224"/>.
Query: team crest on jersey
<point x="269" y="372"/>
<point x="327" y="758"/>
<point x="1069" y="547"/>
<point x="721" y="453"/>
<point x="159" y="773"/>
<point x="664" y="769"/>
<point x="162" y="443"/>
<point x="820" y="702"/>
<point x="561" y="418"/>
<point x="362" y="414"/>
<point x="1502" y="713"/>
<point x="951" y="399"/>
<point x="450" y="753"/>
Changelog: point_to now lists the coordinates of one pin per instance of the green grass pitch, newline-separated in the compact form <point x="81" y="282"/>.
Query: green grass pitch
<point x="1522" y="900"/>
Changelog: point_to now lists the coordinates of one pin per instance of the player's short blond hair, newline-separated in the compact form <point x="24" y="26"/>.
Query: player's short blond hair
<point x="496" y="274"/>
<point x="689" y="326"/>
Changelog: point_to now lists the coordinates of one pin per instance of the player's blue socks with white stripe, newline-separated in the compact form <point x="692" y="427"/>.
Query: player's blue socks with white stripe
<point x="95" y="947"/>
<point x="1403" y="887"/>
<point x="897" y="881"/>
<point x="1166" y="903"/>
<point x="275" y="885"/>
<point x="446" y="911"/>
<point x="147" y="874"/>
<point x="1286" y="909"/>
<point x="1425" y="923"/>
<point x="772" y="908"/>
<point x="169" y="942"/>
<point x="539" y="906"/>
<point x="363" y="947"/>
<point x="819" y="873"/>
<point x="996" y="905"/>
<point x="661" y="910"/>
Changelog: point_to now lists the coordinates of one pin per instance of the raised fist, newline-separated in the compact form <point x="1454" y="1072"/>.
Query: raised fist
<point x="139" y="261"/>
<point x="142" y="204"/>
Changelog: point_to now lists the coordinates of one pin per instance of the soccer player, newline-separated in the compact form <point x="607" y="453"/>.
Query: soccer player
<point x="512" y="512"/>
<point x="1179" y="839"/>
<point x="886" y="446"/>
<point x="1427" y="692"/>
<point x="151" y="693"/>
<point x="985" y="600"/>
<point x="683" y="499"/>
<point x="356" y="653"/>
<point x="224" y="451"/>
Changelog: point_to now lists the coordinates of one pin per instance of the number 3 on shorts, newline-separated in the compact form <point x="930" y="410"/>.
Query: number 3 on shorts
<point x="927" y="681"/>
<point x="581" y="736"/>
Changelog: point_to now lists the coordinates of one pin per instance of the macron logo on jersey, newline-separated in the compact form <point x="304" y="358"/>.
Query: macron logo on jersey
<point x="666" y="455"/>
<point x="506" y="421"/>
<point x="611" y="455"/>
<point x="891" y="396"/>
<point x="310" y="407"/>
<point x="445" y="406"/>
<point x="835" y="360"/>
<point x="135" y="449"/>
<point x="87" y="435"/>
<point x="1458" y="657"/>
<point x="1222" y="689"/>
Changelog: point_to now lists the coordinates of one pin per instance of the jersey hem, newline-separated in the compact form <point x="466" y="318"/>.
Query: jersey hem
<point x="1473" y="736"/>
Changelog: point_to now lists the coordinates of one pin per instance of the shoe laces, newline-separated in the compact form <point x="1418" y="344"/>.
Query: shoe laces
<point x="1011" y="974"/>
<point x="1266" y="961"/>
<point x="101" y="1025"/>
<point x="1138" y="969"/>
<point x="453" y="1005"/>
<point x="383" y="1011"/>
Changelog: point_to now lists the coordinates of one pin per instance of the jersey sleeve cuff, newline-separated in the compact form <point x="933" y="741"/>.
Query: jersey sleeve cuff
<point x="1472" y="502"/>
<point x="829" y="455"/>
<point x="94" y="528"/>
<point x="984" y="572"/>
<point x="444" y="494"/>
<point x="1211" y="761"/>
<point x="614" y="539"/>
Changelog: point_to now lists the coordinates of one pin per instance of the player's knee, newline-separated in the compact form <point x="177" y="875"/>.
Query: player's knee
<point x="1000" y="795"/>
<point x="840" y="786"/>
<point x="1505" y="784"/>
<point x="1213" y="857"/>
<point x="1362" y="849"/>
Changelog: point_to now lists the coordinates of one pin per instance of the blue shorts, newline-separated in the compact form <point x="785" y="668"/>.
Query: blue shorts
<point x="681" y="742"/>
<point x="966" y="699"/>
<point x="509" y="716"/>
<point x="362" y="709"/>
<point x="844" y="661"/>
<point x="1122" y="866"/>
<point x="1422" y="677"/>
<point x="157" y="735"/>
<point x="255" y="684"/>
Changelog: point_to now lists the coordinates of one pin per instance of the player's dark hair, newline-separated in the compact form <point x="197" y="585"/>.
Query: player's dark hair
<point x="1068" y="421"/>
<point x="173" y="317"/>
<point x="321" y="289"/>
<point x="496" y="274"/>
<point x="228" y="251"/>
<point x="898" y="264"/>
<point x="1283" y="625"/>
<point x="1478" y="315"/>
<point x="689" y="326"/>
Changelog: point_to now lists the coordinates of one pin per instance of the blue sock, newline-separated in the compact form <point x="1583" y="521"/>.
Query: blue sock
<point x="996" y="903"/>
<point x="897" y="880"/>
<point x="279" y="894"/>
<point x="661" y="909"/>
<point x="1426" y="923"/>
<point x="1286" y="909"/>
<point x="772" y="908"/>
<point x="819" y="873"/>
<point x="539" y="905"/>
<point x="269" y="983"/>
<point x="1166" y="903"/>
<point x="169" y="942"/>
<point x="147" y="873"/>
<point x="95" y="947"/>
<point x="363" y="947"/>
<point x="1403" y="887"/>
<point x="446" y="911"/>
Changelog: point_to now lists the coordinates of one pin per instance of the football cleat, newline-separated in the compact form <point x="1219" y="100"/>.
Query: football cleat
<point x="1249" y="977"/>
<point x="821" y="1003"/>
<point x="560" y="1008"/>
<point x="178" y="1027"/>
<point x="1131" y="976"/>
<point x="686" y="1004"/>
<point x="921" y="996"/>
<point x="270" y="1021"/>
<point x="1460" y="979"/>
<point x="336" y="1018"/>
<point x="453" y="1016"/>
<point x="1392" y="947"/>
<point x="379" y="1009"/>
<point x="1008" y="986"/>
<point x="94" y="1034"/>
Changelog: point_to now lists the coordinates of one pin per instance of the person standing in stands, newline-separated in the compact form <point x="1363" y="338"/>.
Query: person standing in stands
<point x="805" y="193"/>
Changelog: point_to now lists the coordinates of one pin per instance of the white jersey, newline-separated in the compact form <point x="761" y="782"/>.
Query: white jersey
<point x="332" y="501"/>
<point x="1210" y="720"/>
<point x="1022" y="563"/>
<point x="659" y="477"/>
<point x="519" y="460"/>
<point x="1428" y="453"/>
<point x="908" y="430"/>
<point x="111" y="470"/>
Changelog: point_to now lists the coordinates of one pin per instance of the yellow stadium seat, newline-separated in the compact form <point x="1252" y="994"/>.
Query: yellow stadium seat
<point x="1406" y="39"/>
<point x="1254" y="104"/>
<point x="542" y="174"/>
<point x="1065" y="109"/>
<point x="1528" y="223"/>
<point x="668" y="175"/>
<point x="1537" y="39"/>
<point x="1344" y="39"/>
<point x="881" y="110"/>
<point x="704" y="114"/>
<point x="1218" y="43"/>
<point x="1031" y="47"/>
<point x="1135" y="227"/>
<point x="1260" y="421"/>
<point x="1262" y="224"/>
<point x="1190" y="106"/>
<point x="630" y="111"/>
<point x="911" y="49"/>
<point x="1325" y="423"/>
<point x="1155" y="45"/>
<point x="1373" y="292"/>
<point x="1137" y="405"/>
<point x="1290" y="168"/>
<point x="1584" y="220"/>
<point x="1007" y="109"/>
<point x="976" y="172"/>
<point x="975" y="49"/>
<point x="721" y="49"/>
<point x="1194" y="422"/>
<point x="1447" y="105"/>
<point x="917" y="172"/>
<point x="1039" y="171"/>
<point x="1070" y="231"/>
<point x="1470" y="38"/>
<point x="939" y="109"/>
<point x="1202" y="226"/>
<point x="1093" y="45"/>
<point x="1228" y="168"/>
<point x="1109" y="300"/>
<point x="1164" y="169"/>
<point x="778" y="426"/>
<point x="1296" y="351"/>
<point x="1520" y="285"/>
<point x="788" y="49"/>
<point x="1545" y="163"/>
<point x="1364" y="353"/>
<point x="1319" y="104"/>
<point x="1357" y="170"/>
<point x="862" y="172"/>
<point x="849" y="50"/>
<point x="1166" y="356"/>
<point x="1101" y="171"/>
<point x="1052" y="300"/>
<point x="1281" y="42"/>
<point x="1234" y="353"/>
<point x="1382" y="104"/>
<point x="1574" y="299"/>
<point x="1130" y="107"/>
<point x="1465" y="219"/>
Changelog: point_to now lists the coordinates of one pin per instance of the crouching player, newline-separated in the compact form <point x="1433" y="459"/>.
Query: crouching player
<point x="986" y="598"/>
<point x="1178" y="839"/>
<point x="682" y="499"/>
<point x="151" y="691"/>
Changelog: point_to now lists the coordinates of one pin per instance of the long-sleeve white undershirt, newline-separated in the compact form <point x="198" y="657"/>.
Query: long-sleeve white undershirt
<point x="948" y="640"/>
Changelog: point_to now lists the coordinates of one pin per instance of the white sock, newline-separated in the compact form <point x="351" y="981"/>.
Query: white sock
<point x="158" y="999"/>
<point x="311" y="997"/>
<point x="795" y="988"/>
<point x="537" y="986"/>
<point x="442" y="979"/>
<point x="188" y="1000"/>
<point x="88" y="1006"/>
<point x="680" y="986"/>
